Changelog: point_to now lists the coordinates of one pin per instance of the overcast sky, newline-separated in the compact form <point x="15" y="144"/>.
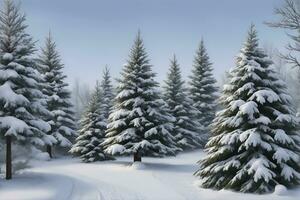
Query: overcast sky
<point x="93" y="33"/>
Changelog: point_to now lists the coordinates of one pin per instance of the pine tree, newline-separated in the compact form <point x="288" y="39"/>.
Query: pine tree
<point x="255" y="143"/>
<point x="21" y="101"/>
<point x="107" y="96"/>
<point x="203" y="89"/>
<point x="186" y="129"/>
<point x="58" y="97"/>
<point x="139" y="123"/>
<point x="94" y="123"/>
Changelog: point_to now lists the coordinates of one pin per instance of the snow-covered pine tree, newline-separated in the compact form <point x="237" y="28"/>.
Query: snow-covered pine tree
<point x="21" y="101"/>
<point x="187" y="130"/>
<point x="203" y="89"/>
<point x="93" y="124"/>
<point x="107" y="96"/>
<point x="58" y="97"/>
<point x="255" y="142"/>
<point x="139" y="123"/>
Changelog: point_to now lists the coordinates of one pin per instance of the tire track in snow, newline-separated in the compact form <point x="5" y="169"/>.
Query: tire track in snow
<point x="109" y="191"/>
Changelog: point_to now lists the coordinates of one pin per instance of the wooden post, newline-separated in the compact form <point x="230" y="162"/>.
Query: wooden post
<point x="8" y="158"/>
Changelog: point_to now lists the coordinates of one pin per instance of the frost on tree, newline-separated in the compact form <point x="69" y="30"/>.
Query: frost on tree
<point x="255" y="143"/>
<point x="58" y="97"/>
<point x="203" y="89"/>
<point x="187" y="131"/>
<point x="93" y="124"/>
<point x="139" y="123"/>
<point x="21" y="101"/>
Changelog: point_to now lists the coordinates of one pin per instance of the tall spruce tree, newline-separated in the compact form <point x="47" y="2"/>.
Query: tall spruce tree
<point x="203" y="89"/>
<point x="187" y="130"/>
<point x="21" y="101"/>
<point x="139" y="123"/>
<point x="255" y="143"/>
<point x="58" y="97"/>
<point x="92" y="133"/>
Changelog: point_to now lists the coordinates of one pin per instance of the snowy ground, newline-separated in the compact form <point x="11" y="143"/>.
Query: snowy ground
<point x="165" y="178"/>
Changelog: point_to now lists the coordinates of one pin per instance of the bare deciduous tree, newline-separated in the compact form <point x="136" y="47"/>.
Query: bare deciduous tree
<point x="289" y="19"/>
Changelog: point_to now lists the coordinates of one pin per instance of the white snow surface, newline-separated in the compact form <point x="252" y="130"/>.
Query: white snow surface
<point x="138" y="165"/>
<point x="169" y="178"/>
<point x="14" y="125"/>
<point x="10" y="97"/>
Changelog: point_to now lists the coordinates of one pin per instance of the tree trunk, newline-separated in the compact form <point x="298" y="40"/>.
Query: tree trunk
<point x="49" y="151"/>
<point x="8" y="158"/>
<point x="137" y="157"/>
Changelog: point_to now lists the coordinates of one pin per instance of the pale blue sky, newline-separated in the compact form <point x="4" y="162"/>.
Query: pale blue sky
<point x="93" y="33"/>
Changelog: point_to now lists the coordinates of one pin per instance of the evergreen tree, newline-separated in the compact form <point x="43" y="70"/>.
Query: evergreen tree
<point x="203" y="89"/>
<point x="107" y="96"/>
<point x="255" y="143"/>
<point x="139" y="123"/>
<point x="94" y="123"/>
<point x="186" y="129"/>
<point x="58" y="97"/>
<point x="21" y="101"/>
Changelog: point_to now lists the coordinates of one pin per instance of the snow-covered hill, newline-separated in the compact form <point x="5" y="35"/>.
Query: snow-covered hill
<point x="156" y="178"/>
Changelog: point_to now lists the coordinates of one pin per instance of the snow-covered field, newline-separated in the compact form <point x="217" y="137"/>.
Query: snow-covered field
<point x="157" y="178"/>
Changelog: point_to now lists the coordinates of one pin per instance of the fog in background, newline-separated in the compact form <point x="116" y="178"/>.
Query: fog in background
<point x="93" y="33"/>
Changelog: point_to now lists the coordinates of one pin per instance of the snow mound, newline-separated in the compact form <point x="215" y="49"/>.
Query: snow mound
<point x="280" y="190"/>
<point x="43" y="156"/>
<point x="138" y="165"/>
<point x="197" y="183"/>
<point x="20" y="164"/>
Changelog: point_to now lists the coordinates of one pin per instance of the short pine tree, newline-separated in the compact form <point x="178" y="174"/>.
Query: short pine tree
<point x="139" y="123"/>
<point x="21" y="100"/>
<point x="187" y="130"/>
<point x="203" y="89"/>
<point x="255" y="143"/>
<point x="93" y="125"/>
<point x="58" y="97"/>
